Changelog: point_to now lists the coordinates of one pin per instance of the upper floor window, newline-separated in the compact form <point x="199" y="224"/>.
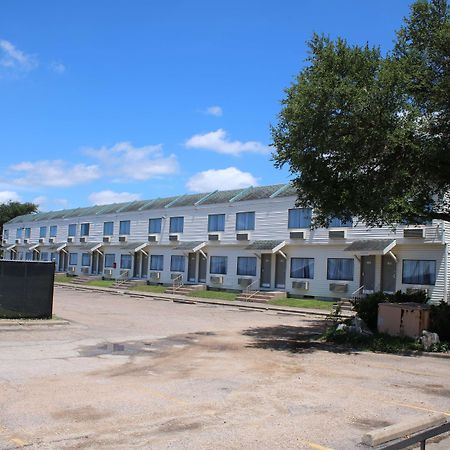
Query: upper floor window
<point x="218" y="265"/>
<point x="124" y="227"/>
<point x="246" y="265"/>
<point x="19" y="232"/>
<point x="6" y="234"/>
<point x="336" y="223"/>
<point x="84" y="229"/>
<point x="27" y="233"/>
<point x="176" y="225"/>
<point x="300" y="218"/>
<point x="302" y="268"/>
<point x="42" y="232"/>
<point x="216" y="222"/>
<point x="154" y="225"/>
<point x="156" y="262"/>
<point x="245" y="221"/>
<point x="53" y="230"/>
<point x="72" y="230"/>
<point x="340" y="269"/>
<point x="417" y="271"/>
<point x="108" y="228"/>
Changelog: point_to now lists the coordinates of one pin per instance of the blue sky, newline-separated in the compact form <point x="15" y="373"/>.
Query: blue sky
<point x="105" y="101"/>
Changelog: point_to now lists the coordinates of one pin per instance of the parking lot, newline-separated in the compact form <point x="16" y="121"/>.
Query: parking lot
<point x="139" y="373"/>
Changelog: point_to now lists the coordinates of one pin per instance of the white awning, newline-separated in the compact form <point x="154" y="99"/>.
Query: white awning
<point x="62" y="247"/>
<point x="368" y="247"/>
<point x="95" y="248"/>
<point x="11" y="247"/>
<point x="34" y="247"/>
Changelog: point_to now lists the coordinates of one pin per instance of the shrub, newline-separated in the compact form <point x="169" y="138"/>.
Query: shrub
<point x="440" y="320"/>
<point x="367" y="308"/>
<point x="403" y="297"/>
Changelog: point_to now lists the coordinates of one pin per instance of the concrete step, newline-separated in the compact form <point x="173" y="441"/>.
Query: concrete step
<point x="186" y="289"/>
<point x="261" y="296"/>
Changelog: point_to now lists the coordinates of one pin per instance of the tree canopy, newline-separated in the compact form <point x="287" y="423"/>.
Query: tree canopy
<point x="367" y="135"/>
<point x="11" y="209"/>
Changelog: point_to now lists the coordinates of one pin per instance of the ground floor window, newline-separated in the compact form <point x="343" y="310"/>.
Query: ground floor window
<point x="340" y="269"/>
<point x="218" y="265"/>
<point x="246" y="265"/>
<point x="44" y="256"/>
<point x="53" y="256"/>
<point x="85" y="259"/>
<point x="177" y="263"/>
<point x="73" y="259"/>
<point x="110" y="259"/>
<point x="125" y="261"/>
<point x="156" y="262"/>
<point x="302" y="268"/>
<point x="417" y="271"/>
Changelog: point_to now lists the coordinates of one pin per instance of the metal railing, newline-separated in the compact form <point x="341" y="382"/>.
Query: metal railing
<point x="249" y="290"/>
<point x="177" y="283"/>
<point x="358" y="294"/>
<point x="123" y="278"/>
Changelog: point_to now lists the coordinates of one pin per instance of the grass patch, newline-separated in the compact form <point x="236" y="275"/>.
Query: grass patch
<point x="63" y="278"/>
<point x="307" y="303"/>
<point x="218" y="295"/>
<point x="149" y="288"/>
<point x="100" y="283"/>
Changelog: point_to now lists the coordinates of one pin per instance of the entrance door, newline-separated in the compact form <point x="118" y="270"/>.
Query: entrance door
<point x="368" y="272"/>
<point x="201" y="268"/>
<point x="137" y="264"/>
<point x="94" y="266"/>
<point x="192" y="264"/>
<point x="63" y="260"/>
<point x="266" y="269"/>
<point x="280" y="271"/>
<point x="144" y="265"/>
<point x="388" y="273"/>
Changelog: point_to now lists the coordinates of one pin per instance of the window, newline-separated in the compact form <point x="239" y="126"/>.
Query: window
<point x="85" y="259"/>
<point x="42" y="232"/>
<point x="124" y="227"/>
<point x="110" y="259"/>
<point x="73" y="259"/>
<point x="154" y="225"/>
<point x="72" y="230"/>
<point x="340" y="269"/>
<point x="125" y="261"/>
<point x="338" y="223"/>
<point x="216" y="222"/>
<point x="245" y="221"/>
<point x="108" y="228"/>
<point x="44" y="256"/>
<point x="53" y="230"/>
<point x="156" y="262"/>
<point x="6" y="234"/>
<point x="417" y="271"/>
<point x="177" y="263"/>
<point x="27" y="233"/>
<point x="246" y="265"/>
<point x="53" y="256"/>
<point x="19" y="232"/>
<point x="218" y="265"/>
<point x="28" y="256"/>
<point x="176" y="225"/>
<point x="299" y="218"/>
<point x="302" y="268"/>
<point x="84" y="229"/>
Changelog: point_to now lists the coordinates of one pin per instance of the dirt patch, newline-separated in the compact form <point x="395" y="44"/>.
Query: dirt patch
<point x="82" y="414"/>
<point x="179" y="425"/>
<point x="370" y="424"/>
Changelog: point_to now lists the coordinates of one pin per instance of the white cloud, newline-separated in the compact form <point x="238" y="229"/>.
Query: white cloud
<point x="13" y="58"/>
<point x="107" y="196"/>
<point x="6" y="196"/>
<point x="217" y="141"/>
<point x="230" y="178"/>
<point x="58" y="67"/>
<point x="214" y="111"/>
<point x="53" y="173"/>
<point x="125" y="162"/>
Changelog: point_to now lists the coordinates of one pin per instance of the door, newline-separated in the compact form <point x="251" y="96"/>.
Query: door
<point x="202" y="268"/>
<point x="280" y="271"/>
<point x="192" y="263"/>
<point x="144" y="265"/>
<point x="137" y="264"/>
<point x="388" y="274"/>
<point x="368" y="272"/>
<point x="266" y="269"/>
<point x="94" y="265"/>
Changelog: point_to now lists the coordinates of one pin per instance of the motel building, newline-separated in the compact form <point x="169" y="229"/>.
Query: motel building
<point x="232" y="239"/>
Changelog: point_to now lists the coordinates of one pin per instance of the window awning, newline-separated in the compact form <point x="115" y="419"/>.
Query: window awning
<point x="192" y="246"/>
<point x="267" y="245"/>
<point x="371" y="247"/>
<point x="34" y="247"/>
<point x="61" y="246"/>
<point x="95" y="247"/>
<point x="11" y="247"/>
<point x="133" y="247"/>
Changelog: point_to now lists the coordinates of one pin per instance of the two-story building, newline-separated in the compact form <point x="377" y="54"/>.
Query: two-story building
<point x="229" y="239"/>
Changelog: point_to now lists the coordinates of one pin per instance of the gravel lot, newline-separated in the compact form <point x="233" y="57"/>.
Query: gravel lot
<point x="139" y="373"/>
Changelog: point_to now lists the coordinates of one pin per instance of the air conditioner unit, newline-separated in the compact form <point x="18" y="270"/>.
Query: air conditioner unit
<point x="41" y="240"/>
<point x="303" y="285"/>
<point x="416" y="290"/>
<point x="216" y="279"/>
<point x="51" y="240"/>
<point x="123" y="238"/>
<point x="244" y="282"/>
<point x="85" y="270"/>
<point x="106" y="239"/>
<point x="155" y="275"/>
<point x="175" y="275"/>
<point x="108" y="272"/>
<point x="242" y="236"/>
<point x="173" y="237"/>
<point x="336" y="234"/>
<point x="213" y="237"/>
<point x="339" y="288"/>
<point x="152" y="238"/>
<point x="26" y="241"/>
<point x="413" y="233"/>
<point x="72" y="269"/>
<point x="297" y="235"/>
<point x="17" y="241"/>
<point x="70" y="239"/>
<point x="83" y="239"/>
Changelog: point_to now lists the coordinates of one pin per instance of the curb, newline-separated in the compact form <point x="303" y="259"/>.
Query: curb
<point x="7" y="323"/>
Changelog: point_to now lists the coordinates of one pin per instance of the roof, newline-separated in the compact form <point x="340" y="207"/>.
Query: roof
<point x="271" y="245"/>
<point x="371" y="246"/>
<point x="192" y="246"/>
<point x="206" y="198"/>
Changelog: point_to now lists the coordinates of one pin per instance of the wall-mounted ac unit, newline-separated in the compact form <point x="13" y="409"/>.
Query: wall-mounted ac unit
<point x="244" y="282"/>
<point x="26" y="241"/>
<point x="17" y="241"/>
<point x="70" y="239"/>
<point x="339" y="288"/>
<point x="83" y="239"/>
<point x="213" y="237"/>
<point x="155" y="275"/>
<point x="242" y="236"/>
<point x="51" y="240"/>
<point x="417" y="233"/>
<point x="41" y="240"/>
<point x="85" y="270"/>
<point x="152" y="238"/>
<point x="416" y="290"/>
<point x="72" y="269"/>
<point x="304" y="285"/>
<point x="216" y="279"/>
<point x="173" y="237"/>
<point x="106" y="239"/>
<point x="175" y="275"/>
<point x="336" y="234"/>
<point x="123" y="238"/>
<point x="297" y="235"/>
<point x="108" y="272"/>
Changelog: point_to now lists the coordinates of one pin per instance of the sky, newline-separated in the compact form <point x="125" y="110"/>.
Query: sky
<point x="110" y="101"/>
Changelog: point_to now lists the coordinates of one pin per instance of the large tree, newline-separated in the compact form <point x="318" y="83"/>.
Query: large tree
<point x="367" y="135"/>
<point x="11" y="209"/>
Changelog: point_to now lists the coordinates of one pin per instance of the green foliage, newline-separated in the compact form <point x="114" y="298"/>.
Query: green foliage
<point x="10" y="210"/>
<point x="366" y="135"/>
<point x="308" y="303"/>
<point x="402" y="297"/>
<point x="440" y="320"/>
